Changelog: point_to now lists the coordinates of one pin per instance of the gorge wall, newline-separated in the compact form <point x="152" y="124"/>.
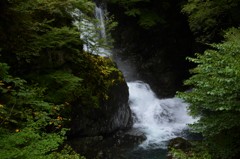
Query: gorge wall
<point x="158" y="51"/>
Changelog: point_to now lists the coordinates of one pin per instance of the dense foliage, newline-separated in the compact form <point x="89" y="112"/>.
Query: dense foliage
<point x="215" y="95"/>
<point x="43" y="71"/>
<point x="149" y="13"/>
<point x="30" y="126"/>
<point x="207" y="19"/>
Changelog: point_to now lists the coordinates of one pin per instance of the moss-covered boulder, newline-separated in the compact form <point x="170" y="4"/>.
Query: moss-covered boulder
<point x="104" y="108"/>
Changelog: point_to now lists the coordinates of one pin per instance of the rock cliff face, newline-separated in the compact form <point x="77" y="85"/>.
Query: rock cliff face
<point x="112" y="115"/>
<point x="159" y="52"/>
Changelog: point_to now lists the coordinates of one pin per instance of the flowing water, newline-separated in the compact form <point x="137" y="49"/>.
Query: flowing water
<point x="159" y="119"/>
<point x="93" y="33"/>
<point x="99" y="14"/>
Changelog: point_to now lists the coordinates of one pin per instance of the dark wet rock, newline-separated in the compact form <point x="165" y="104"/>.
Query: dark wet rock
<point x="99" y="133"/>
<point x="117" y="145"/>
<point x="132" y="136"/>
<point x="112" y="115"/>
<point x="159" y="53"/>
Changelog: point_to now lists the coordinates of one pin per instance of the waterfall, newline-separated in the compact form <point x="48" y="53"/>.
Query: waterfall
<point x="102" y="50"/>
<point x="92" y="32"/>
<point x="160" y="119"/>
<point x="99" y="14"/>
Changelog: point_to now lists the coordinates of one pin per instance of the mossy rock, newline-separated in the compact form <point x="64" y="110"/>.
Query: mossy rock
<point x="179" y="143"/>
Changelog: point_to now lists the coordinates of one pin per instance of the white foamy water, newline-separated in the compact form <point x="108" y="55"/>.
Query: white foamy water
<point x="93" y="33"/>
<point x="159" y="119"/>
<point x="99" y="14"/>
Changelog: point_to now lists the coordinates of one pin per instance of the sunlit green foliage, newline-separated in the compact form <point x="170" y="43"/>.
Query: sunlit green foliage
<point x="215" y="95"/>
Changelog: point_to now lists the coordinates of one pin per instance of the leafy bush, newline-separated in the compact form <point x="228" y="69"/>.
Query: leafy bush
<point x="193" y="154"/>
<point x="30" y="127"/>
<point x="215" y="95"/>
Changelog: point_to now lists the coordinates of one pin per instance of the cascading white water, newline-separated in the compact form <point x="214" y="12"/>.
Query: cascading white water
<point x="99" y="14"/>
<point x="92" y="33"/>
<point x="159" y="119"/>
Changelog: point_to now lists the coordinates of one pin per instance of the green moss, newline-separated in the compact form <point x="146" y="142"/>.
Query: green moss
<point x="99" y="74"/>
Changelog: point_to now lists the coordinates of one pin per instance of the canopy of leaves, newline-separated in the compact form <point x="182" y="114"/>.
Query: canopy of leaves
<point x="148" y="12"/>
<point x="207" y="19"/>
<point x="32" y="28"/>
<point x="215" y="95"/>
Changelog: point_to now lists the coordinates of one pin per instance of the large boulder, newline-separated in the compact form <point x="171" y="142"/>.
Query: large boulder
<point x="112" y="114"/>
